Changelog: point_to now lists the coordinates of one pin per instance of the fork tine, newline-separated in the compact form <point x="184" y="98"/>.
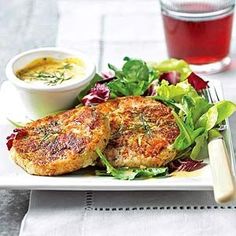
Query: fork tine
<point x="217" y="97"/>
<point x="205" y="95"/>
<point x="211" y="100"/>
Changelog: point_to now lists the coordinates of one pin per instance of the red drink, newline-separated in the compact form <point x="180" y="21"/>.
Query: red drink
<point x="201" y="41"/>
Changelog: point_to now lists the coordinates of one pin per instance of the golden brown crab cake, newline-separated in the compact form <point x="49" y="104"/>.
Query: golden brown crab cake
<point x="142" y="131"/>
<point x="61" y="143"/>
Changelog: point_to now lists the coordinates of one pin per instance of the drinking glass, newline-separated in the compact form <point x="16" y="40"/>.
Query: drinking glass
<point x="199" y="31"/>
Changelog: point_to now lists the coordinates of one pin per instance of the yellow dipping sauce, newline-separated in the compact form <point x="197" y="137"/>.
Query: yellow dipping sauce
<point x="51" y="71"/>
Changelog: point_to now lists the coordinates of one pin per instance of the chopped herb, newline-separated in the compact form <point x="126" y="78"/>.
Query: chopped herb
<point x="51" y="71"/>
<point x="145" y="125"/>
<point x="66" y="67"/>
<point x="52" y="79"/>
<point x="48" y="136"/>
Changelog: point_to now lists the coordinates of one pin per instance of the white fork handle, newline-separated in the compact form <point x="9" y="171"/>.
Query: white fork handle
<point x="223" y="180"/>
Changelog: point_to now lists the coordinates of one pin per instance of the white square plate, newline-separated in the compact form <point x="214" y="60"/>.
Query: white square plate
<point x="13" y="177"/>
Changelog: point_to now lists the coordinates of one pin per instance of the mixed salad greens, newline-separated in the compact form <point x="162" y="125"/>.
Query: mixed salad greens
<point x="126" y="173"/>
<point x="173" y="83"/>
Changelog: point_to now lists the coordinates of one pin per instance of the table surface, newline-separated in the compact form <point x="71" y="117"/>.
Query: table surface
<point x="28" y="24"/>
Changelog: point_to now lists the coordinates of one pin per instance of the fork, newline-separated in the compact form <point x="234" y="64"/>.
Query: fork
<point x="223" y="180"/>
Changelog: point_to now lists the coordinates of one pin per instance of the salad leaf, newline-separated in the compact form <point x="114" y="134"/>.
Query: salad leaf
<point x="197" y="82"/>
<point x="99" y="93"/>
<point x="187" y="135"/>
<point x="200" y="150"/>
<point x="107" y="77"/>
<point x="208" y="120"/>
<point x="185" y="164"/>
<point x="118" y="73"/>
<point x="173" y="65"/>
<point x="168" y="102"/>
<point x="92" y="83"/>
<point x="18" y="133"/>
<point x="193" y="108"/>
<point x="185" y="98"/>
<point x="175" y="92"/>
<point x="133" y="79"/>
<point x="201" y="106"/>
<point x="128" y="173"/>
<point x="214" y="133"/>
<point x="17" y="124"/>
<point x="151" y="91"/>
<point x="216" y="114"/>
<point x="188" y="105"/>
<point x="172" y="77"/>
<point x="225" y="109"/>
<point x="134" y="70"/>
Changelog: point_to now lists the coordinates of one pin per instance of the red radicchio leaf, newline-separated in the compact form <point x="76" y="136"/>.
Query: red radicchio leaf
<point x="197" y="82"/>
<point x="186" y="164"/>
<point x="100" y="93"/>
<point x="107" y="77"/>
<point x="151" y="91"/>
<point x="172" y="77"/>
<point x="10" y="141"/>
<point x="17" y="134"/>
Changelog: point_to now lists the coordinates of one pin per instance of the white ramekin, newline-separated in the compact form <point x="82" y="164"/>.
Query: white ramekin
<point x="44" y="100"/>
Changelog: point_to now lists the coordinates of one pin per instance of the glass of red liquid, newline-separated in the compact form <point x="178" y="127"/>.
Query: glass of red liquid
<point x="199" y="31"/>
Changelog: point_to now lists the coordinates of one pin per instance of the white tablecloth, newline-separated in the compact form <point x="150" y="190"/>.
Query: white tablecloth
<point x="56" y="213"/>
<point x="108" y="31"/>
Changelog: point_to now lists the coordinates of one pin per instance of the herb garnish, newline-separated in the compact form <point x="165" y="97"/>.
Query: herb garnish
<point x="145" y="125"/>
<point x="52" y="79"/>
<point x="67" y="66"/>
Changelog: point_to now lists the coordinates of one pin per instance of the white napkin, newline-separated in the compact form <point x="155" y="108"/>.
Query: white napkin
<point x="56" y="213"/>
<point x="108" y="31"/>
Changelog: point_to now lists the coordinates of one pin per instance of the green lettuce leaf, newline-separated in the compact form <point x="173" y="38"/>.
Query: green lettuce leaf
<point x="216" y="114"/>
<point x="213" y="134"/>
<point x="225" y="109"/>
<point x="209" y="119"/>
<point x="173" y="65"/>
<point x="175" y="92"/>
<point x="201" y="106"/>
<point x="134" y="70"/>
<point x="133" y="79"/>
<point x="200" y="150"/>
<point x="128" y="173"/>
<point x="17" y="124"/>
<point x="187" y="135"/>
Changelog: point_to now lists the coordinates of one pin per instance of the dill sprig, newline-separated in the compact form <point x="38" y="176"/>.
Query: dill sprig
<point x="53" y="78"/>
<point x="67" y="66"/>
<point x="145" y="125"/>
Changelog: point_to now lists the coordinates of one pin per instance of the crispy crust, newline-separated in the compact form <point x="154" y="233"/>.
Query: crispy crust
<point x="142" y="131"/>
<point x="62" y="143"/>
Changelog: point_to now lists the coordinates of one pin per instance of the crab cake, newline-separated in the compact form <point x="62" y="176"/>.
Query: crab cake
<point x="142" y="131"/>
<point x="62" y="143"/>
